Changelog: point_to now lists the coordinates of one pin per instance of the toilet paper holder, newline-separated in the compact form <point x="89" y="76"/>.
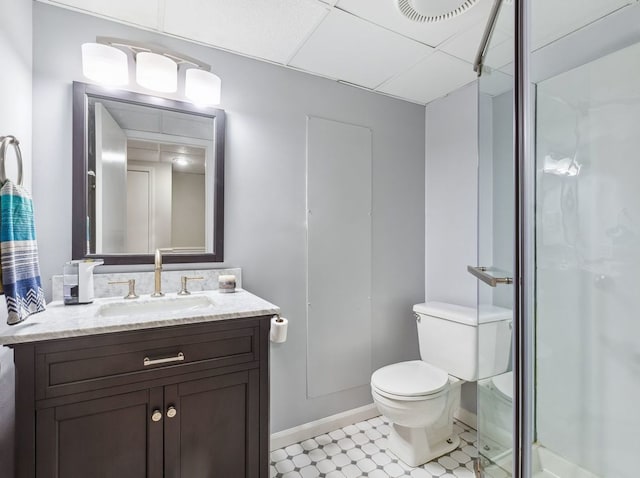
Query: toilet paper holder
<point x="278" y="330"/>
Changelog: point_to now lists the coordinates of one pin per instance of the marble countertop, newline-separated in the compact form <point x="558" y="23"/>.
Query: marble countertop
<point x="60" y="321"/>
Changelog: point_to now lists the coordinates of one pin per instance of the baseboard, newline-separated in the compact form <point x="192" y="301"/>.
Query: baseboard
<point x="467" y="417"/>
<point x="305" y="431"/>
<point x="324" y="425"/>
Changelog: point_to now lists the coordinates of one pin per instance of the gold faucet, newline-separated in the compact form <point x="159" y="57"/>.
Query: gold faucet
<point x="158" y="275"/>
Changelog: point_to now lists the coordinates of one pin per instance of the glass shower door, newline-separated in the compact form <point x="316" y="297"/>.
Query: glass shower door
<point x="584" y="68"/>
<point x="588" y="254"/>
<point x="495" y="252"/>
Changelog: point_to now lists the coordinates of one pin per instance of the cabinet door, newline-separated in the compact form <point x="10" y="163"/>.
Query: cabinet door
<point x="215" y="430"/>
<point x="109" y="437"/>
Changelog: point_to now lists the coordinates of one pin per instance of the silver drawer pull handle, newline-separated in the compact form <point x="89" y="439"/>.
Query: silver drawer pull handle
<point x="178" y="358"/>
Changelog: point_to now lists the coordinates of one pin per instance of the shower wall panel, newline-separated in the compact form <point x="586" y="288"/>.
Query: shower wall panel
<point x="588" y="263"/>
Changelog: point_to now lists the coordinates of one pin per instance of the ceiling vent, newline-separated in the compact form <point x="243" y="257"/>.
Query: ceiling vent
<point x="432" y="11"/>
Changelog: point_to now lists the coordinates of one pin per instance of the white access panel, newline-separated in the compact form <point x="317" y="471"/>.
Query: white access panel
<point x="339" y="256"/>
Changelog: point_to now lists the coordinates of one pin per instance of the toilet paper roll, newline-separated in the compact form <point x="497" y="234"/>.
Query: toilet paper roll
<point x="278" y="332"/>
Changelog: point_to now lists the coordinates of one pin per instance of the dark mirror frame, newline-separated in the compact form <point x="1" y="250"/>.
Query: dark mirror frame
<point x="81" y="93"/>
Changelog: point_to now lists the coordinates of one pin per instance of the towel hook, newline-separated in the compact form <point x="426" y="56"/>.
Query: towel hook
<point x="4" y="142"/>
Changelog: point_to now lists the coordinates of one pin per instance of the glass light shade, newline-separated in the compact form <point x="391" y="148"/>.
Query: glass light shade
<point x="202" y="87"/>
<point x="105" y="64"/>
<point x="156" y="72"/>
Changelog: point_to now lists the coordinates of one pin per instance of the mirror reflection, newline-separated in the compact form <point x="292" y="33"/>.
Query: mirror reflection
<point x="147" y="178"/>
<point x="149" y="167"/>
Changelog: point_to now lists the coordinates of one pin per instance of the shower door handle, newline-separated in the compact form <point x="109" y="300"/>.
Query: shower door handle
<point x="483" y="274"/>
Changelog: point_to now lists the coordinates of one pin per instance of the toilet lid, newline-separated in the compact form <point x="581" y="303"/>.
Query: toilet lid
<point x="410" y="379"/>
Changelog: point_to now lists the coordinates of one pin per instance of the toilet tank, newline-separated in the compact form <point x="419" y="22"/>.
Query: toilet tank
<point x="452" y="338"/>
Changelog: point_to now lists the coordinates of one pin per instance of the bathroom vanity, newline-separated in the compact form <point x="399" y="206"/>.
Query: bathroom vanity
<point x="105" y="391"/>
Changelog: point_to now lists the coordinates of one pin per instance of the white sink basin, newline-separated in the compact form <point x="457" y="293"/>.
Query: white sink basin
<point x="159" y="305"/>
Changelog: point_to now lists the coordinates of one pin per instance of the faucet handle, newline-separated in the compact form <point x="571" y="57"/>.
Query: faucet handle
<point x="184" y="281"/>
<point x="132" y="288"/>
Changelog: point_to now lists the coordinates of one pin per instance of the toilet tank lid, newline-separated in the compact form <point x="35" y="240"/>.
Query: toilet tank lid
<point x="462" y="314"/>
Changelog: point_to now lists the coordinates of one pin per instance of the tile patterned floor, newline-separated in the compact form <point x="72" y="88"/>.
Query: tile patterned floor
<point x="360" y="450"/>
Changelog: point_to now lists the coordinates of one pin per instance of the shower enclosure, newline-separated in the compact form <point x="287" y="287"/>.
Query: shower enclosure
<point x="559" y="210"/>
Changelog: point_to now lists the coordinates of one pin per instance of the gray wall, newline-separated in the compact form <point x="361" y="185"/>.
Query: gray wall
<point x="15" y="119"/>
<point x="265" y="231"/>
<point x="503" y="199"/>
<point x="451" y="203"/>
<point x="485" y="189"/>
<point x="451" y="196"/>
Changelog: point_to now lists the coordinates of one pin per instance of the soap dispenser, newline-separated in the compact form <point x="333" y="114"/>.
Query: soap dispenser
<point x="78" y="281"/>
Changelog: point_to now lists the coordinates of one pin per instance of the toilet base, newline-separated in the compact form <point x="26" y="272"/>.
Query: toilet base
<point x="415" y="446"/>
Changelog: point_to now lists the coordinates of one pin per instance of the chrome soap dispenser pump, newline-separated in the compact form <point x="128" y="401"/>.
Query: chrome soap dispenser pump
<point x="78" y="281"/>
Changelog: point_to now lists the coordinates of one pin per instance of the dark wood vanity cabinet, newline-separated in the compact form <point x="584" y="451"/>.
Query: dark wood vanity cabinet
<point x="187" y="401"/>
<point x="108" y="436"/>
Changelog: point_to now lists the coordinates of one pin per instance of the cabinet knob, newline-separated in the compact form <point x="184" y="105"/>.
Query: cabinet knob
<point x="172" y="412"/>
<point x="156" y="416"/>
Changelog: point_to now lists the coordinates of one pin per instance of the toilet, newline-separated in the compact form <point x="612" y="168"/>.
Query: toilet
<point x="420" y="397"/>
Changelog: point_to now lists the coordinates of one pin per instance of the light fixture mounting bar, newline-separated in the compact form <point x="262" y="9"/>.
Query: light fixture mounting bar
<point x="139" y="46"/>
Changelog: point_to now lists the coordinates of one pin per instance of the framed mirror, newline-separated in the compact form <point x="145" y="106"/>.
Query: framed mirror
<point x="148" y="173"/>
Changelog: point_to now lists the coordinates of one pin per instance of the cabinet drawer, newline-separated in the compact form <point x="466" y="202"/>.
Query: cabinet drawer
<point x="88" y="365"/>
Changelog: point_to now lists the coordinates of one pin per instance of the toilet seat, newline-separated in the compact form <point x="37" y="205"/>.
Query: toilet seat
<point x="413" y="380"/>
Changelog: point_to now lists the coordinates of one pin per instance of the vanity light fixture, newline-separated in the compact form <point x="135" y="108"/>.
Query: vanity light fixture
<point x="202" y="87"/>
<point x="156" y="72"/>
<point x="106" y="62"/>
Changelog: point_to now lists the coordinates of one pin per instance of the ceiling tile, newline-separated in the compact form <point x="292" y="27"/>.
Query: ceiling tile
<point x="552" y="19"/>
<point x="139" y="12"/>
<point x="506" y="16"/>
<point x="387" y="14"/>
<point x="269" y="29"/>
<point x="500" y="54"/>
<point x="430" y="79"/>
<point x="495" y="82"/>
<point x="348" y="48"/>
<point x="465" y="44"/>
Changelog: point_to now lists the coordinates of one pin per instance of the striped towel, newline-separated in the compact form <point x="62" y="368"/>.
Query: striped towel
<point x="19" y="254"/>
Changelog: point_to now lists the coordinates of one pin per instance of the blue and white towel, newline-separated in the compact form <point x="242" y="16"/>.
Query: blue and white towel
<point x="19" y="254"/>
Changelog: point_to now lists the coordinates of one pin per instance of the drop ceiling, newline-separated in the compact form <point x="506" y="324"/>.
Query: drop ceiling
<point x="184" y="159"/>
<point x="368" y="43"/>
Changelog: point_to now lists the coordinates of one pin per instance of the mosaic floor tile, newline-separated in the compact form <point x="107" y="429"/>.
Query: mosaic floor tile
<point x="359" y="450"/>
